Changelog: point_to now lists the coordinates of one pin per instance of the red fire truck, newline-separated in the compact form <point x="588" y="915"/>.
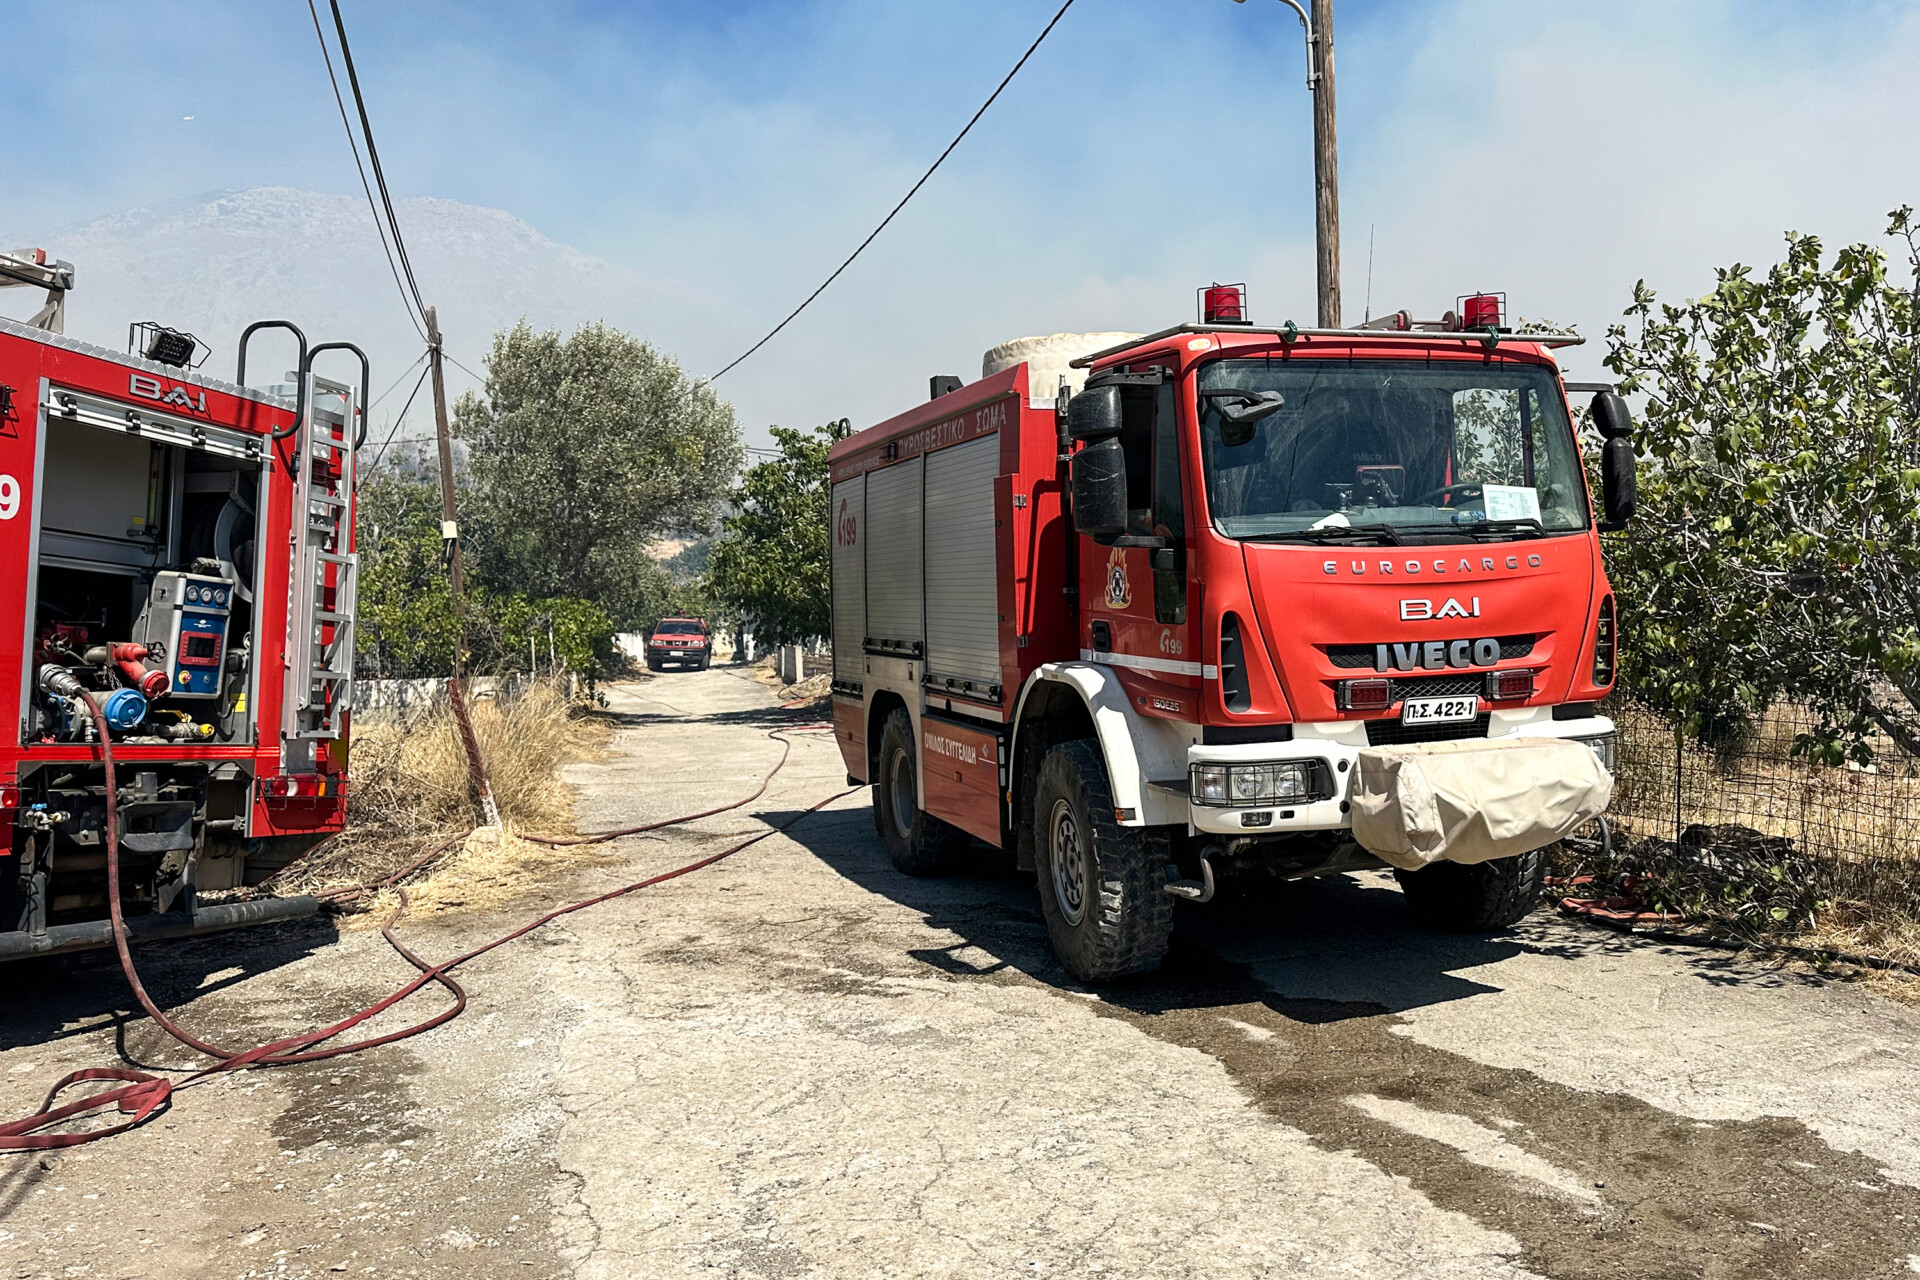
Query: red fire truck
<point x="1196" y="612"/>
<point x="181" y="550"/>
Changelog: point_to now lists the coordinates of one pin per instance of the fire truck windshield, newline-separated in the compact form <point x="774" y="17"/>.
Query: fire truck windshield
<point x="1370" y="450"/>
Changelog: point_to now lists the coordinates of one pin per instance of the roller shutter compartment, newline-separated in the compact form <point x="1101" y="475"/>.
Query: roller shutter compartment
<point x="893" y="565"/>
<point x="963" y="624"/>
<point x="849" y="530"/>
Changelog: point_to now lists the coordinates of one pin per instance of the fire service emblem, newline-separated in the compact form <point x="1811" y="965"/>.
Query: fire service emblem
<point x="1119" y="593"/>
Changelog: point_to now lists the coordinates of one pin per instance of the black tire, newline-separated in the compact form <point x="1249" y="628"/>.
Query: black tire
<point x="705" y="660"/>
<point x="654" y="664"/>
<point x="1100" y="883"/>
<point x="1480" y="897"/>
<point x="917" y="842"/>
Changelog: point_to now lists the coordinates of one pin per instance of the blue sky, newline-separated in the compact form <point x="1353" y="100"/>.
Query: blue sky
<point x="738" y="150"/>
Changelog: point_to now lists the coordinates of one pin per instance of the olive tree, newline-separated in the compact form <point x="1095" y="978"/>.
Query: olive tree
<point x="771" y="562"/>
<point x="1777" y="548"/>
<point x="584" y="450"/>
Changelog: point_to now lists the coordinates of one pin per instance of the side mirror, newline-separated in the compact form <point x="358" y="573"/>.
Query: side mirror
<point x="1618" y="486"/>
<point x="1099" y="485"/>
<point x="1093" y="414"/>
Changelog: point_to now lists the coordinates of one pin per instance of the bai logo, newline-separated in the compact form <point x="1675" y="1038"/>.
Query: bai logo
<point x="1119" y="592"/>
<point x="147" y="388"/>
<point x="846" y="529"/>
<point x="1421" y="610"/>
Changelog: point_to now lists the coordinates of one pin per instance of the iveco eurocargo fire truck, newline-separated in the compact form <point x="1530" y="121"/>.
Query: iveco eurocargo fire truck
<point x="1289" y="600"/>
<point x="179" y="550"/>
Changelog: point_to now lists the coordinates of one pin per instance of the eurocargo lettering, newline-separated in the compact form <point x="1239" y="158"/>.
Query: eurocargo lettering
<point x="1236" y="601"/>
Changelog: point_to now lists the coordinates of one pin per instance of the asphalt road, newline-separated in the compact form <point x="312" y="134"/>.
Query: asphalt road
<point x="801" y="1063"/>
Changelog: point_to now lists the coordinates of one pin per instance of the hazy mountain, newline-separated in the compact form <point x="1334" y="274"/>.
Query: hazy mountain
<point x="214" y="264"/>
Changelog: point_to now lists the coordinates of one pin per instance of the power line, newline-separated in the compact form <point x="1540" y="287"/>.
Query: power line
<point x="373" y="155"/>
<point x="378" y="225"/>
<point x="896" y="209"/>
<point x="397" y="421"/>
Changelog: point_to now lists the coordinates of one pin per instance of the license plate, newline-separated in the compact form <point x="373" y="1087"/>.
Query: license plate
<point x="1439" y="710"/>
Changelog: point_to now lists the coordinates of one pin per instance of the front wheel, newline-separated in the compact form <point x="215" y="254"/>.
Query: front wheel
<point x="1100" y="882"/>
<point x="917" y="842"/>
<point x="1476" y="897"/>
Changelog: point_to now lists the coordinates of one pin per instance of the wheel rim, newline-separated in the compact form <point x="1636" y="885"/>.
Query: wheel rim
<point x="1069" y="868"/>
<point x="901" y="785"/>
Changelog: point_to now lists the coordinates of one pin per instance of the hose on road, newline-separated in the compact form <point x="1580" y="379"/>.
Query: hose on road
<point x="142" y="1094"/>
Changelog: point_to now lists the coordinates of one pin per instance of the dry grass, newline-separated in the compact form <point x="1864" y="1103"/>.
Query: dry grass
<point x="409" y="790"/>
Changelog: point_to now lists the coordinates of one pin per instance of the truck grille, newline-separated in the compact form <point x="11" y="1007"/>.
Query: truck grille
<point x="1391" y="733"/>
<point x="1354" y="656"/>
<point x="1448" y="686"/>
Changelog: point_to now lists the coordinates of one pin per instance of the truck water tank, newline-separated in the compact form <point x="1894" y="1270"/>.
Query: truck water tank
<point x="1047" y="359"/>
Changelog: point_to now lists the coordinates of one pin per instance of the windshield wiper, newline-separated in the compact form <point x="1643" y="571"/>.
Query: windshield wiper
<point x="1527" y="527"/>
<point x="1366" y="534"/>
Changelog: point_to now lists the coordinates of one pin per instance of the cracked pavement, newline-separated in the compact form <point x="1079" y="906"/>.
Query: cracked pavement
<point x="801" y="1063"/>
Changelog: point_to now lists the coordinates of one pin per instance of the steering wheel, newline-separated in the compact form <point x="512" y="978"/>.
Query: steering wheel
<point x="1447" y="491"/>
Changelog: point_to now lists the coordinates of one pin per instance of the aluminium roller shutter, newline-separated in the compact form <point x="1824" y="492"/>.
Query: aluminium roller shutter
<point x="963" y="633"/>
<point x="849" y="530"/>
<point x="893" y="558"/>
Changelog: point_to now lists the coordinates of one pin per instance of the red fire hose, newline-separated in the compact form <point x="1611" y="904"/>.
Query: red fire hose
<point x="141" y="1094"/>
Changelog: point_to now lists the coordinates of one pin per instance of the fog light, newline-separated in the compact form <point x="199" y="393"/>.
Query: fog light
<point x="1507" y="685"/>
<point x="1364" y="695"/>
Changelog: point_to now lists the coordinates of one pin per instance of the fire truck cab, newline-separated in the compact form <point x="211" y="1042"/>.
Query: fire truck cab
<point x="179" y="549"/>
<point x="1284" y="601"/>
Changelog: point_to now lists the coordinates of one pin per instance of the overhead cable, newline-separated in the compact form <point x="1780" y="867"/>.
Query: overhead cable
<point x="379" y="224"/>
<point x="903" y="199"/>
<point x="373" y="156"/>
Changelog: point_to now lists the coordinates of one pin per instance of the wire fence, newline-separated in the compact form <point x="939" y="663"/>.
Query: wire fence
<point x="1750" y="822"/>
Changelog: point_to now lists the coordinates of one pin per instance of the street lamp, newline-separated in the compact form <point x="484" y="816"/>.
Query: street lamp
<point x="1326" y="168"/>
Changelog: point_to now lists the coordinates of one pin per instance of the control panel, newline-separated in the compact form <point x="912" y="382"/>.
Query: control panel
<point x="184" y="626"/>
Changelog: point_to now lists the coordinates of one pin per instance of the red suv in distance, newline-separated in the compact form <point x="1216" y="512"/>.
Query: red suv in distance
<point x="679" y="639"/>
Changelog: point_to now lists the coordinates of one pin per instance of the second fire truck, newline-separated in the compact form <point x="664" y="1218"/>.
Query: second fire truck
<point x="1288" y="600"/>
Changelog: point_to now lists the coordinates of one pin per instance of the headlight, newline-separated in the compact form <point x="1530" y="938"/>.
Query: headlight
<point x="1246" y="784"/>
<point x="1602" y="749"/>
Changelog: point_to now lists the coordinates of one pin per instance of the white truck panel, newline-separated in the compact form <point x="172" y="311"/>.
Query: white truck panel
<point x="963" y="634"/>
<point x="895" y="579"/>
<point x="849" y="567"/>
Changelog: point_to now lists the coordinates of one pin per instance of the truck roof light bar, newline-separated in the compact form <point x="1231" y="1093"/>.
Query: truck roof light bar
<point x="1224" y="304"/>
<point x="1293" y="333"/>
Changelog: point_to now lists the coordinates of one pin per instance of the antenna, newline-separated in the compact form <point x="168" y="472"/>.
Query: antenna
<point x="1369" y="310"/>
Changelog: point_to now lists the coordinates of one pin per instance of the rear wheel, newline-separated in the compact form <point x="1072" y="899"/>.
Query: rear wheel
<point x="1477" y="897"/>
<point x="1100" y="883"/>
<point x="917" y="842"/>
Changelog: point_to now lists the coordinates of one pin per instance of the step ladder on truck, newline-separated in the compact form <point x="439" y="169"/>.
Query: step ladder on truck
<point x="180" y="549"/>
<point x="1236" y="601"/>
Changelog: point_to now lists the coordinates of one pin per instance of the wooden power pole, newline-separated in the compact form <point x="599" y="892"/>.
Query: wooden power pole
<point x="1326" y="166"/>
<point x="450" y="531"/>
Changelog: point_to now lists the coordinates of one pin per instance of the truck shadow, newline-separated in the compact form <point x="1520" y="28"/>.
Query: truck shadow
<point x="60" y="997"/>
<point x="1346" y="940"/>
<point x="1297" y="993"/>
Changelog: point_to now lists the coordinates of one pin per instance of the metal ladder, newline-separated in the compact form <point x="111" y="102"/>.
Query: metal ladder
<point x="325" y="583"/>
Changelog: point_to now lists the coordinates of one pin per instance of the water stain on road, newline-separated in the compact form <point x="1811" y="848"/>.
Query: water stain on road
<point x="1670" y="1196"/>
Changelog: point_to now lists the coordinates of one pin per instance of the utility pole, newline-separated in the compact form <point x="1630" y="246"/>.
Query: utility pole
<point x="450" y="532"/>
<point x="1326" y="165"/>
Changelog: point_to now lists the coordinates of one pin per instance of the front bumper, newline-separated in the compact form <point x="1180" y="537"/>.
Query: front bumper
<point x="1339" y="745"/>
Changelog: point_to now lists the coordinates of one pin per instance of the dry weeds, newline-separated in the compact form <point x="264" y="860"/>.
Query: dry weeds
<point x="408" y="790"/>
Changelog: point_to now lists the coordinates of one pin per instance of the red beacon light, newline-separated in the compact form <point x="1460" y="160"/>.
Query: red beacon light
<point x="1483" y="311"/>
<point x="1224" y="304"/>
